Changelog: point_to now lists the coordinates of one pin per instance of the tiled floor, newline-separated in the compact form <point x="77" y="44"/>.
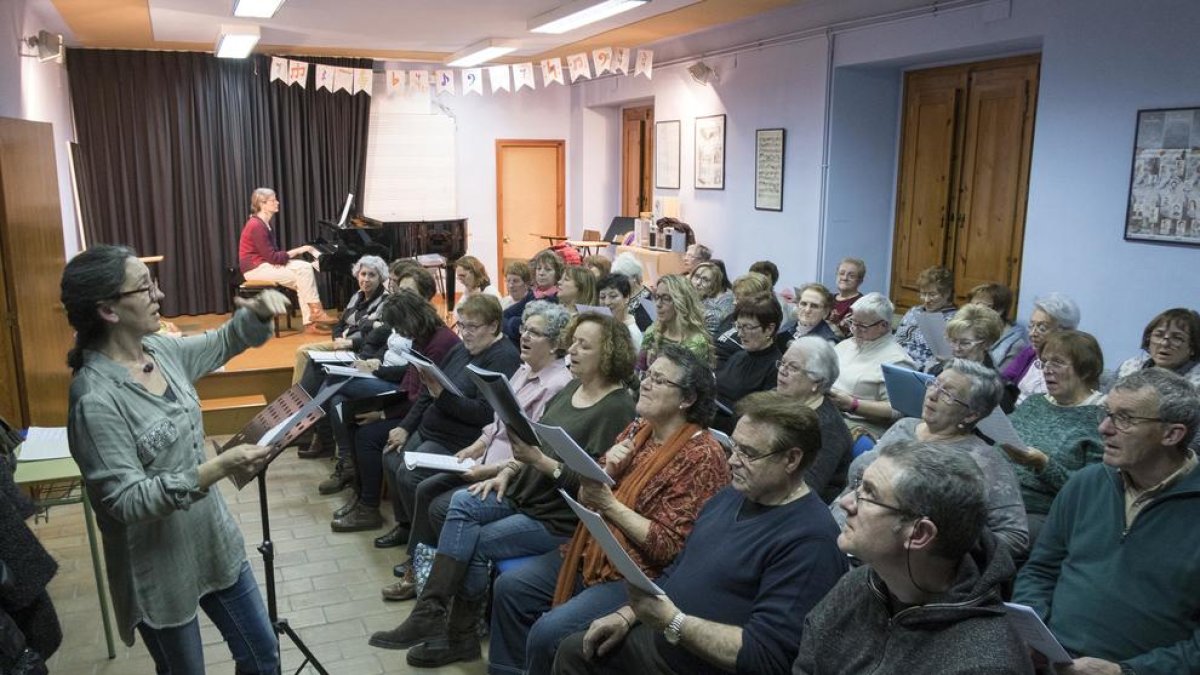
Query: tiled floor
<point x="328" y="584"/>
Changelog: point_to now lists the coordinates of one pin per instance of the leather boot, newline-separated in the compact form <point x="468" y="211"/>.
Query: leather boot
<point x="347" y="507"/>
<point x="428" y="618"/>
<point x="318" y="317"/>
<point x="397" y="536"/>
<point x="322" y="443"/>
<point x="461" y="642"/>
<point x="359" y="519"/>
<point x="405" y="589"/>
<point x="343" y="475"/>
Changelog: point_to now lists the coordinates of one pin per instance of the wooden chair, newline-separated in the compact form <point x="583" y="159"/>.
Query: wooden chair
<point x="240" y="287"/>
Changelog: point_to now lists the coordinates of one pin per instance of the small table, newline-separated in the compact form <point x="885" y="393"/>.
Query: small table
<point x="65" y="470"/>
<point x="551" y="238"/>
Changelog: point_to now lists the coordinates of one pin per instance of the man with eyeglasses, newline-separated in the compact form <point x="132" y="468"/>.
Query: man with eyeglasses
<point x="1115" y="573"/>
<point x="762" y="553"/>
<point x="927" y="598"/>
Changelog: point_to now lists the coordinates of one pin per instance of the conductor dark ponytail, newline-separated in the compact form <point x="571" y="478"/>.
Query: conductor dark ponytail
<point x="91" y="277"/>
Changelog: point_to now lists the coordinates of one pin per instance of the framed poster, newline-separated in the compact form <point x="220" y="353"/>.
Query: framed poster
<point x="1164" y="183"/>
<point x="768" y="169"/>
<point x="710" y="152"/>
<point x="666" y="155"/>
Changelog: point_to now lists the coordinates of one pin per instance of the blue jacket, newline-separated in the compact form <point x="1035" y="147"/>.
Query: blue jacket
<point x="1126" y="595"/>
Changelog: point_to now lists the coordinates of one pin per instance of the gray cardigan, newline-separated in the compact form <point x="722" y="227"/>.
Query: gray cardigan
<point x="166" y="542"/>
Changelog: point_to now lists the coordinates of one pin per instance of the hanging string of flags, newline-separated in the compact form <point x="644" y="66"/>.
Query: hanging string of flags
<point x="510" y="78"/>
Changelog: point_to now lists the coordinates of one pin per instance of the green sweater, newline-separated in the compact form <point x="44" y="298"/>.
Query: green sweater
<point x="535" y="494"/>
<point x="1070" y="437"/>
<point x="1126" y="595"/>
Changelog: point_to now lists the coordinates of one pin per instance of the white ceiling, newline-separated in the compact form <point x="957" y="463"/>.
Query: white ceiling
<point x="410" y="25"/>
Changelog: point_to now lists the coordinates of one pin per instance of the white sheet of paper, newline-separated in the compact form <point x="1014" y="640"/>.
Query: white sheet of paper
<point x="274" y="432"/>
<point x="346" y="371"/>
<point x="999" y="428"/>
<point x="45" y="443"/>
<point x="571" y="454"/>
<point x="612" y="548"/>
<point x="598" y="309"/>
<point x="340" y="356"/>
<point x="933" y="328"/>
<point x="1035" y="633"/>
<point x="428" y="460"/>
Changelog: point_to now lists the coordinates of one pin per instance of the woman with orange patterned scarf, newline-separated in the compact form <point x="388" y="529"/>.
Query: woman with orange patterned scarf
<point x="666" y="466"/>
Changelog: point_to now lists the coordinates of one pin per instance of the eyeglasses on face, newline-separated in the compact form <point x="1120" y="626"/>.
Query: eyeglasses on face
<point x="149" y="290"/>
<point x="1176" y="339"/>
<point x="663" y="299"/>
<point x="1057" y="365"/>
<point x="657" y="379"/>
<point x="810" y="305"/>
<point x="858" y="325"/>
<point x="944" y="395"/>
<point x="750" y="454"/>
<point x="856" y="489"/>
<point x="964" y="344"/>
<point x="1040" y="327"/>
<point x="1123" y="421"/>
<point x="786" y="367"/>
<point x="747" y="327"/>
<point x="531" y="332"/>
<point x="464" y="327"/>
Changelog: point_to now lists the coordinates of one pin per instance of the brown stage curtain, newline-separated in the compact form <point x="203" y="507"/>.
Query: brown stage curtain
<point x="172" y="144"/>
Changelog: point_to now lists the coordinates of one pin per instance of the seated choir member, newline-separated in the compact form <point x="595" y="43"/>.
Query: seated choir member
<point x="928" y="597"/>
<point x="859" y="391"/>
<point x="715" y="293"/>
<point x="627" y="264"/>
<point x="666" y="465"/>
<point x="259" y="260"/>
<point x="806" y="372"/>
<point x="813" y="305"/>
<point x="969" y="334"/>
<point x="598" y="265"/>
<point x="680" y="321"/>
<point x="936" y="287"/>
<point x="725" y="339"/>
<point x="1115" y="573"/>
<point x="1171" y="341"/>
<point x="762" y="554"/>
<point x="1052" y="312"/>
<point x="547" y="267"/>
<point x="612" y="291"/>
<point x="520" y="511"/>
<point x="472" y="277"/>
<point x="694" y="255"/>
<point x="543" y="373"/>
<point x="850" y="275"/>
<point x="576" y="286"/>
<point x="518" y="280"/>
<point x="1014" y="337"/>
<point x="964" y="393"/>
<point x="785" y="297"/>
<point x="754" y="367"/>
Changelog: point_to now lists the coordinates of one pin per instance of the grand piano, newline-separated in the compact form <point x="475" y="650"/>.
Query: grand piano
<point x="389" y="240"/>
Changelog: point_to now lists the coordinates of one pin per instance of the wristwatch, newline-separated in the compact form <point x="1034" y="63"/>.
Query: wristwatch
<point x="674" y="630"/>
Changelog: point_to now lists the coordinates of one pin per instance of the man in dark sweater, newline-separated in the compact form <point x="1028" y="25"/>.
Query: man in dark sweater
<point x="1115" y="573"/>
<point x="928" y="598"/>
<point x="762" y="553"/>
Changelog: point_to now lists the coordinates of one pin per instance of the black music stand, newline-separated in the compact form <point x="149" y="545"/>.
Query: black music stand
<point x="288" y="416"/>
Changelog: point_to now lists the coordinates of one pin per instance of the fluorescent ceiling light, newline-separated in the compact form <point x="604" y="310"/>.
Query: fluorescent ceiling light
<point x="259" y="9"/>
<point x="481" y="52"/>
<point x="572" y="15"/>
<point x="236" y="42"/>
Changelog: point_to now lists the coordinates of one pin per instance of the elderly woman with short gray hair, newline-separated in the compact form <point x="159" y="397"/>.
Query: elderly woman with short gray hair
<point x="1052" y="312"/>
<point x="963" y="394"/>
<point x="807" y="372"/>
<point x="859" y="391"/>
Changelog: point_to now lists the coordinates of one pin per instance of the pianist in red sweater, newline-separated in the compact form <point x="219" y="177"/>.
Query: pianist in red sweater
<point x="261" y="261"/>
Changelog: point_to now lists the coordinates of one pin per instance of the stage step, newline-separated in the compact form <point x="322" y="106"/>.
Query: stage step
<point x="267" y="382"/>
<point x="229" y="414"/>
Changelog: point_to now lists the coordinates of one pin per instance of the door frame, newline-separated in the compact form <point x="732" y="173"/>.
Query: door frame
<point x="503" y="144"/>
<point x="643" y="115"/>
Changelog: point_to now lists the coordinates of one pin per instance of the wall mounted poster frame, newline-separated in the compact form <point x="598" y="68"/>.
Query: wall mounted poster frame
<point x="768" y="169"/>
<point x="710" y="152"/>
<point x="1164" y="184"/>
<point x="666" y="154"/>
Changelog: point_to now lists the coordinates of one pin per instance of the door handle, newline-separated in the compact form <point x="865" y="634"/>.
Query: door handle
<point x="506" y="239"/>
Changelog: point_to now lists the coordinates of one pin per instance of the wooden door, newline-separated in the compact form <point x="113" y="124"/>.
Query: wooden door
<point x="990" y="220"/>
<point x="531" y="188"/>
<point x="10" y="390"/>
<point x="637" y="149"/>
<point x="964" y="174"/>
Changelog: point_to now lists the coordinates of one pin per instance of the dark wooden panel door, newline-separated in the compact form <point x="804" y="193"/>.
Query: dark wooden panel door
<point x="637" y="149"/>
<point x="990" y="218"/>
<point x="927" y="155"/>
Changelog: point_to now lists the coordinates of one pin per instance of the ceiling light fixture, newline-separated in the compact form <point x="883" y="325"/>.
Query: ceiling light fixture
<point x="579" y="13"/>
<point x="48" y="46"/>
<point x="258" y="9"/>
<point x="236" y="42"/>
<point x="481" y="52"/>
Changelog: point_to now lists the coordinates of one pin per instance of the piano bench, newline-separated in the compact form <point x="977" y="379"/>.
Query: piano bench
<point x="435" y="264"/>
<point x="249" y="289"/>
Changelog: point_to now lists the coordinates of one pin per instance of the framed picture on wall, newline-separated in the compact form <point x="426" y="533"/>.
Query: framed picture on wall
<point x="1164" y="183"/>
<point x="666" y="154"/>
<point x="710" y="152"/>
<point x="768" y="169"/>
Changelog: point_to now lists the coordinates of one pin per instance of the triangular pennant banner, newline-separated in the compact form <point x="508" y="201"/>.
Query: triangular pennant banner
<point x="343" y="79"/>
<point x="472" y="79"/>
<point x="396" y="79"/>
<point x="523" y="76"/>
<point x="578" y="63"/>
<point x="621" y="61"/>
<point x="603" y="59"/>
<point x="444" y="79"/>
<point x="325" y="78"/>
<point x="418" y="81"/>
<point x="298" y="73"/>
<point x="279" y="69"/>
<point x="499" y="77"/>
<point x="363" y="79"/>
<point x="552" y="71"/>
<point x="645" y="63"/>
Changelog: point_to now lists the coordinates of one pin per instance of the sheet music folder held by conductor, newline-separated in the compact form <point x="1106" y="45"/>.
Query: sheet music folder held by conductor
<point x="281" y="423"/>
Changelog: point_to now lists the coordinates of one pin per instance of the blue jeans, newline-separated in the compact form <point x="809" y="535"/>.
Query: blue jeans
<point x="240" y="615"/>
<point x="525" y="631"/>
<point x="478" y="531"/>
